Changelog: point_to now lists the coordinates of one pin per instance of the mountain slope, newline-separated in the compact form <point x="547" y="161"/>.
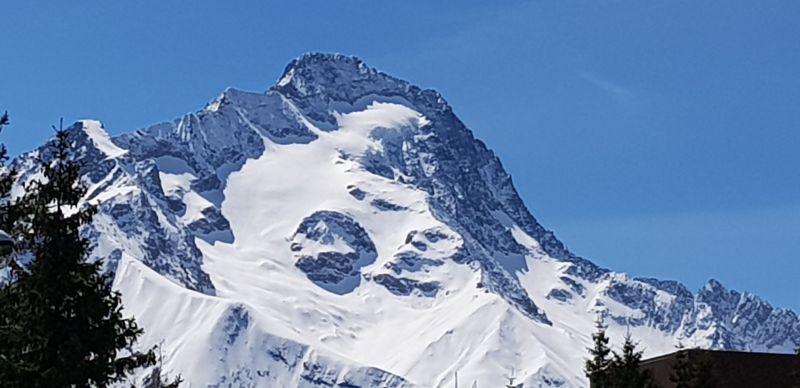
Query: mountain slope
<point x="345" y="228"/>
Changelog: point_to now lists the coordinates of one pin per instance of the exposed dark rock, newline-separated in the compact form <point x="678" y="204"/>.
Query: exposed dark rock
<point x="559" y="294"/>
<point x="405" y="286"/>
<point x="382" y="204"/>
<point x="335" y="270"/>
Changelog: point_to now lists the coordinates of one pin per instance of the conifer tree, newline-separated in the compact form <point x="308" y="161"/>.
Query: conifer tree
<point x="682" y="372"/>
<point x="61" y="324"/>
<point x="625" y="368"/>
<point x="597" y="367"/>
<point x="511" y="383"/>
<point x="155" y="379"/>
<point x="6" y="181"/>
<point x="690" y="370"/>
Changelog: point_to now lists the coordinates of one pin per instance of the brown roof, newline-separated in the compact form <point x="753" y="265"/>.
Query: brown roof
<point x="734" y="369"/>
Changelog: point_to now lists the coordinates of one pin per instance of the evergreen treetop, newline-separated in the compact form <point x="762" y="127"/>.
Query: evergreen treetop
<point x="597" y="367"/>
<point x="691" y="370"/>
<point x="625" y="368"/>
<point x="511" y="383"/>
<point x="682" y="372"/>
<point x="6" y="181"/>
<point x="61" y="324"/>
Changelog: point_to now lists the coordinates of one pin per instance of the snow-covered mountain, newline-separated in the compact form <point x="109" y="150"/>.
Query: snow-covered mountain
<point x="345" y="229"/>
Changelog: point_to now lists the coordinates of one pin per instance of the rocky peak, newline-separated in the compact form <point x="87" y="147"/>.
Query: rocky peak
<point x="336" y="75"/>
<point x="320" y="83"/>
<point x="714" y="291"/>
<point x="162" y="191"/>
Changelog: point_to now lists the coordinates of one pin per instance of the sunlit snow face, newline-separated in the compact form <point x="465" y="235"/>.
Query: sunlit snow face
<point x="327" y="233"/>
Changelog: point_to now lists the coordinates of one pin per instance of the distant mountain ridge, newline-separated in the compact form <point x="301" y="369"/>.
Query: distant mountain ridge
<point x="346" y="229"/>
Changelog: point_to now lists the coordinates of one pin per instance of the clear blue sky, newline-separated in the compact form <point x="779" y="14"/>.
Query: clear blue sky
<point x="661" y="138"/>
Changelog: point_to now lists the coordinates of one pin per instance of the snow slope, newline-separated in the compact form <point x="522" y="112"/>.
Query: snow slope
<point x="345" y="228"/>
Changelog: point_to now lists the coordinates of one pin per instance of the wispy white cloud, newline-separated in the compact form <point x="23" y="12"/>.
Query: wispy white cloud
<point x="616" y="90"/>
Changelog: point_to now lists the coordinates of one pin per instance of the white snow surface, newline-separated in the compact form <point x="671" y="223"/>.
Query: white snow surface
<point x="259" y="269"/>
<point x="425" y="340"/>
<point x="200" y="218"/>
<point x="94" y="129"/>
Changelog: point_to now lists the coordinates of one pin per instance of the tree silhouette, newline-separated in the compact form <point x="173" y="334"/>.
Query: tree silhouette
<point x="61" y="324"/>
<point x="597" y="367"/>
<point x="625" y="368"/>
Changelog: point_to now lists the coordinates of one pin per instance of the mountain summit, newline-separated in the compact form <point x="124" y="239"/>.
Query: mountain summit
<point x="345" y="228"/>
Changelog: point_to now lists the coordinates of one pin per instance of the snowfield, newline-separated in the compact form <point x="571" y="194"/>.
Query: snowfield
<point x="345" y="229"/>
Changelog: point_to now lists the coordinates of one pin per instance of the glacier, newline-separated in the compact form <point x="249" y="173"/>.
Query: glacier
<point x="345" y="229"/>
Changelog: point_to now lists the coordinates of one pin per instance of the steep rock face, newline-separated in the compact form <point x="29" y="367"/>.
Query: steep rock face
<point x="661" y="309"/>
<point x="134" y="215"/>
<point x="331" y="248"/>
<point x="412" y="268"/>
<point x="345" y="228"/>
<point x="431" y="158"/>
<point x="741" y="321"/>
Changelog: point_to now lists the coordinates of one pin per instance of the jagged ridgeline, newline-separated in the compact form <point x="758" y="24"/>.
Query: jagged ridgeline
<point x="345" y="228"/>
